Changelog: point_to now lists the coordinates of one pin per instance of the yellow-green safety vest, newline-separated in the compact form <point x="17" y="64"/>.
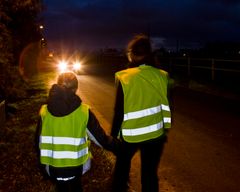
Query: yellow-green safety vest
<point x="63" y="140"/>
<point x="146" y="107"/>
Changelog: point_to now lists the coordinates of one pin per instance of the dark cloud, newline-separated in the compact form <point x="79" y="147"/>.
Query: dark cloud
<point x="104" y="23"/>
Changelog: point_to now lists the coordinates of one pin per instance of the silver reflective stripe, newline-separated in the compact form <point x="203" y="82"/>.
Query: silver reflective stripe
<point x="165" y="107"/>
<point x="64" y="154"/>
<point x="86" y="166"/>
<point x="91" y="137"/>
<point x="63" y="140"/>
<point x="145" y="112"/>
<point x="167" y="120"/>
<point x="142" y="113"/>
<point x="142" y="130"/>
<point x="65" y="178"/>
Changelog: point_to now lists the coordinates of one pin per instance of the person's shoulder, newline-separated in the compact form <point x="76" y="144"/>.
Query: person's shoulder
<point x="127" y="71"/>
<point x="84" y="106"/>
<point x="43" y="109"/>
<point x="157" y="70"/>
<point x="163" y="72"/>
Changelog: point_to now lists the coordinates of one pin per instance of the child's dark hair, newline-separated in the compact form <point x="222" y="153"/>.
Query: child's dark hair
<point x="68" y="80"/>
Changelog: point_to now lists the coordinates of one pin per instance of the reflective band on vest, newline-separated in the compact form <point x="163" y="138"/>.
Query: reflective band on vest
<point x="145" y="112"/>
<point x="64" y="154"/>
<point x="167" y="120"/>
<point x="63" y="140"/>
<point x="143" y="130"/>
<point x="165" y="107"/>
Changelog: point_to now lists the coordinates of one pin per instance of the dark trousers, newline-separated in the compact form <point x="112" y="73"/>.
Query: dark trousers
<point x="150" y="157"/>
<point x="71" y="185"/>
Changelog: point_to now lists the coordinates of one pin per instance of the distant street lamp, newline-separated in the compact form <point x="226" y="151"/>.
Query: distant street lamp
<point x="42" y="41"/>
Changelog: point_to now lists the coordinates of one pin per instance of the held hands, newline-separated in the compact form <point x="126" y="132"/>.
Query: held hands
<point x="117" y="146"/>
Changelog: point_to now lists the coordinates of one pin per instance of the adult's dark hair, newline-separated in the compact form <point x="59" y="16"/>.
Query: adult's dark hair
<point x="139" y="51"/>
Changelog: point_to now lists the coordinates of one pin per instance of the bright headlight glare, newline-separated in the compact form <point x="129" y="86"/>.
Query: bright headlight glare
<point x="62" y="66"/>
<point x="76" y="65"/>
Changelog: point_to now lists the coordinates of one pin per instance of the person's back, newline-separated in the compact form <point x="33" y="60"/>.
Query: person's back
<point x="145" y="103"/>
<point x="64" y="129"/>
<point x="142" y="114"/>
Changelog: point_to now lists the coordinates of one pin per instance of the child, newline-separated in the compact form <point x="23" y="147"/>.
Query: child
<point x="64" y="126"/>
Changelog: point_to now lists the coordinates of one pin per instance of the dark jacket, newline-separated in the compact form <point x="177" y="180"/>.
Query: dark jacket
<point x="118" y="111"/>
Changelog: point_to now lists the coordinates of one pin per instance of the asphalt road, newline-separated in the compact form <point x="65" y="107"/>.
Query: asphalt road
<point x="203" y="149"/>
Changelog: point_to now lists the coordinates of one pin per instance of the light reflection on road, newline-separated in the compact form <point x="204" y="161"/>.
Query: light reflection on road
<point x="100" y="95"/>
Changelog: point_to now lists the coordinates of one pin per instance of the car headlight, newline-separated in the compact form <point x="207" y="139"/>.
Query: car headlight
<point x="62" y="66"/>
<point x="76" y="66"/>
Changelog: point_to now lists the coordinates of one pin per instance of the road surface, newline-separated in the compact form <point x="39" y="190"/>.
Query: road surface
<point x="203" y="149"/>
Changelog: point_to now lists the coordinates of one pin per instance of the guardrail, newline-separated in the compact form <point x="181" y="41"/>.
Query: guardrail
<point x="207" y="69"/>
<point x="192" y="66"/>
<point x="2" y="114"/>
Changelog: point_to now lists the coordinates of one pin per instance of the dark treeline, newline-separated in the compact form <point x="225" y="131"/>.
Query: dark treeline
<point x="19" y="26"/>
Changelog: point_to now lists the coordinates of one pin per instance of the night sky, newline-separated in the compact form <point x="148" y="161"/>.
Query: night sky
<point x="95" y="24"/>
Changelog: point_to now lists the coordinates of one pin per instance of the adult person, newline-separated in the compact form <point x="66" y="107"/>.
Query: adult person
<point x="64" y="128"/>
<point x="142" y="115"/>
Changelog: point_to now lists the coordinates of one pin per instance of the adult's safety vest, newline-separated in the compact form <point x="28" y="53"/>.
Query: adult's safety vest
<point x="63" y="140"/>
<point x="146" y="107"/>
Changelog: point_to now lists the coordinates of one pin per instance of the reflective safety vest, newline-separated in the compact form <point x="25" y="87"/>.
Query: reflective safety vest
<point x="146" y="106"/>
<point x="63" y="140"/>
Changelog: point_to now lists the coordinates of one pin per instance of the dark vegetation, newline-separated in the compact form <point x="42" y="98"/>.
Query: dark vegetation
<point x="19" y="26"/>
